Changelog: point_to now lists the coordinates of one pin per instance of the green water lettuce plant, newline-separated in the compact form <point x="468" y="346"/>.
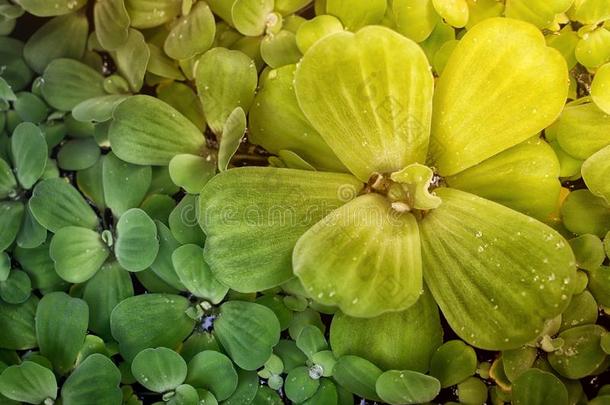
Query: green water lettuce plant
<point x="432" y="195"/>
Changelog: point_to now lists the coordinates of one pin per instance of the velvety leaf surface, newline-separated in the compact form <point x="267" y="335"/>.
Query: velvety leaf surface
<point x="125" y="184"/>
<point x="136" y="244"/>
<point x="111" y="23"/>
<point x="159" y="370"/>
<point x="68" y="82"/>
<point x="212" y="371"/>
<point x="95" y="381"/>
<point x="28" y="382"/>
<point x="582" y="130"/>
<point x="29" y="150"/>
<point x="78" y="253"/>
<point x="196" y="275"/>
<point x="537" y="387"/>
<point x="406" y="387"/>
<point x="596" y="172"/>
<point x="192" y="34"/>
<point x="43" y="8"/>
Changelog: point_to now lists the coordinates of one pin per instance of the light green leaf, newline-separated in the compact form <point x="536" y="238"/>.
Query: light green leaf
<point x="581" y="311"/>
<point x="455" y="12"/>
<point x="541" y="13"/>
<point x="251" y="17"/>
<point x="132" y="58"/>
<point x="136" y="244"/>
<point x="469" y="127"/>
<point x="159" y="370"/>
<point x="147" y="131"/>
<point x="18" y="325"/>
<point x="582" y="130"/>
<point x="152" y="13"/>
<point x="453" y="362"/>
<point x="311" y="31"/>
<point x="16" y="289"/>
<point x="414" y="19"/>
<point x="267" y="210"/>
<point x="212" y="371"/>
<point x="29" y="150"/>
<point x="28" y="382"/>
<point x="78" y="253"/>
<point x="225" y="80"/>
<point x="493" y="296"/>
<point x="163" y="66"/>
<point x="581" y="353"/>
<point x="192" y="172"/>
<point x="596" y="172"/>
<point x="44" y="8"/>
<point x="183" y="221"/>
<point x="61" y="326"/>
<point x="94" y="382"/>
<point x="374" y="113"/>
<point x="357" y="14"/>
<point x="163" y="266"/>
<point x="232" y="134"/>
<point x="280" y="49"/>
<point x="98" y="109"/>
<point x="56" y="204"/>
<point x="406" y="387"/>
<point x="537" y="387"/>
<point x="8" y="183"/>
<point x="600" y="88"/>
<point x="357" y="375"/>
<point x="111" y="23"/>
<point x="78" y="154"/>
<point x="583" y="212"/>
<point x="409" y="339"/>
<point x="593" y="50"/>
<point x="11" y="217"/>
<point x="183" y="99"/>
<point x="299" y="386"/>
<point x="192" y="34"/>
<point x="599" y="282"/>
<point x="125" y="184"/>
<point x="61" y="37"/>
<point x="247" y="386"/>
<point x="363" y="257"/>
<point x="68" y="82"/>
<point x="196" y="275"/>
<point x="248" y="332"/>
<point x="589" y="251"/>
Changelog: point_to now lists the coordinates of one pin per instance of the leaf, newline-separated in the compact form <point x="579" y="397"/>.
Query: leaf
<point x="125" y="184"/>
<point x="581" y="353"/>
<point x="311" y="31"/>
<point x="225" y="80"/>
<point x="251" y="17"/>
<point x="8" y="184"/>
<point x="16" y="289"/>
<point x="589" y="11"/>
<point x="455" y="12"/>
<point x="61" y="326"/>
<point x="510" y="52"/>
<point x="582" y="309"/>
<point x="493" y="296"/>
<point x="147" y="131"/>
<point x="67" y="82"/>
<point x="280" y="49"/>
<point x="159" y="370"/>
<point x="453" y="362"/>
<point x="582" y="130"/>
<point x="593" y="50"/>
<point x="196" y="275"/>
<point x="132" y="58"/>
<point x="137" y="244"/>
<point x="374" y="113"/>
<point x="5" y="266"/>
<point x="363" y="257"/>
<point x="524" y="178"/>
<point x="56" y="204"/>
<point x="540" y="13"/>
<point x="357" y="375"/>
<point x="11" y="216"/>
<point x="94" y="382"/>
<point x="192" y="172"/>
<point x="537" y="387"/>
<point x="107" y="288"/>
<point x="299" y="386"/>
<point x="62" y="37"/>
<point x="18" y="325"/>
<point x="98" y="109"/>
<point x="78" y="154"/>
<point x="583" y="212"/>
<point x="600" y="88"/>
<point x="414" y="19"/>
<point x="248" y="332"/>
<point x="192" y="34"/>
<point x="141" y="322"/>
<point x="357" y="14"/>
<point x="152" y="13"/>
<point x="78" y="253"/>
<point x="44" y="8"/>
<point x="595" y="172"/>
<point x="28" y="382"/>
<point x="247" y="386"/>
<point x="406" y="387"/>
<point x="265" y="210"/>
<point x="111" y="23"/>
<point x="29" y="150"/>
<point x="163" y="266"/>
<point x="589" y="251"/>
<point x="409" y="340"/>
<point x="232" y="134"/>
<point x="183" y="99"/>
<point x="212" y="371"/>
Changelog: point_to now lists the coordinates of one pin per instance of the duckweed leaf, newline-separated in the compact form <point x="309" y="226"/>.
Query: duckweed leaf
<point x="582" y="130"/>
<point x="56" y="204"/>
<point x="583" y="212"/>
<point x="29" y="150"/>
<point x="44" y="8"/>
<point x="69" y="82"/>
<point x="78" y="253"/>
<point x="147" y="131"/>
<point x="537" y="387"/>
<point x="461" y="137"/>
<point x="414" y="19"/>
<point x="253" y="197"/>
<point x="61" y="326"/>
<point x="98" y="109"/>
<point x="497" y="283"/>
<point x="18" y="325"/>
<point x="357" y="375"/>
<point x="595" y="172"/>
<point x="78" y="154"/>
<point x="248" y="332"/>
<point x="28" y="382"/>
<point x="581" y="353"/>
<point x="61" y="37"/>
<point x="125" y="184"/>
<point x="159" y="370"/>
<point x="11" y="216"/>
<point x="137" y="244"/>
<point x="196" y="275"/>
<point x="192" y="34"/>
<point x="251" y="17"/>
<point x="370" y="130"/>
<point x="95" y="381"/>
<point x="225" y="80"/>
<point x="410" y="337"/>
<point x="212" y="371"/>
<point x="192" y="172"/>
<point x="148" y="14"/>
<point x="16" y="288"/>
<point x="111" y="23"/>
<point x="299" y="386"/>
<point x="232" y="134"/>
<point x="364" y="232"/>
<point x="406" y="387"/>
<point x="132" y="58"/>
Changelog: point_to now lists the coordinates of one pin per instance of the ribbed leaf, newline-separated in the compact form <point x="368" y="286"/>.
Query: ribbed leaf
<point x="192" y="34"/>
<point x="28" y="382"/>
<point x="94" y="382"/>
<point x="136" y="244"/>
<point x="596" y="172"/>
<point x="44" y="8"/>
<point x="196" y="275"/>
<point x="213" y="371"/>
<point x="68" y="82"/>
<point x="125" y="184"/>
<point x="18" y="325"/>
<point x="357" y="14"/>
<point x="537" y="387"/>
<point x="78" y="253"/>
<point x="159" y="370"/>
<point x="582" y="130"/>
<point x="29" y="150"/>
<point x="111" y="23"/>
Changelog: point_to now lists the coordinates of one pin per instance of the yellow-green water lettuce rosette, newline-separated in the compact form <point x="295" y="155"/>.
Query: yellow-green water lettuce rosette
<point x="439" y="192"/>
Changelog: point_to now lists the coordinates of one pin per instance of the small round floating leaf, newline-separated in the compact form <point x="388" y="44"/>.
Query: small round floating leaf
<point x="213" y="371"/>
<point x="44" y="8"/>
<point x="192" y="172"/>
<point x="232" y="134"/>
<point x="183" y="98"/>
<point x="187" y="395"/>
<point x="125" y="184"/>
<point x="472" y="391"/>
<point x="599" y="284"/>
<point x="78" y="253"/>
<point x="111" y="23"/>
<point x="311" y="341"/>
<point x="581" y="353"/>
<point x="250" y="17"/>
<point x="248" y="332"/>
<point x="137" y="244"/>
<point x="11" y="217"/>
<point x="537" y="387"/>
<point x="280" y="49"/>
<point x="225" y="80"/>
<point x="415" y="19"/>
<point x="196" y="275"/>
<point x="455" y="12"/>
<point x="589" y="251"/>
<point x="163" y="266"/>
<point x="94" y="382"/>
<point x="581" y="311"/>
<point x="183" y="221"/>
<point x="57" y="204"/>
<point x="142" y="321"/>
<point x="453" y="362"/>
<point x="299" y="386"/>
<point x="18" y="325"/>
<point x="593" y="49"/>
<point x="30" y="108"/>
<point x="159" y="370"/>
<point x="132" y="58"/>
<point x="16" y="288"/>
<point x="193" y="34"/>
<point x="565" y="41"/>
<point x="515" y="362"/>
<point x="29" y="150"/>
<point x="152" y="13"/>
<point x="68" y="82"/>
<point x="357" y="375"/>
<point x="61" y="326"/>
<point x="406" y="387"/>
<point x="313" y="30"/>
<point x="595" y="173"/>
<point x="538" y="12"/>
<point x="582" y="130"/>
<point x="98" y="109"/>
<point x="31" y="234"/>
<point x="28" y="382"/>
<point x="78" y="154"/>
<point x="356" y="14"/>
<point x="583" y="212"/>
<point x="148" y="131"/>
